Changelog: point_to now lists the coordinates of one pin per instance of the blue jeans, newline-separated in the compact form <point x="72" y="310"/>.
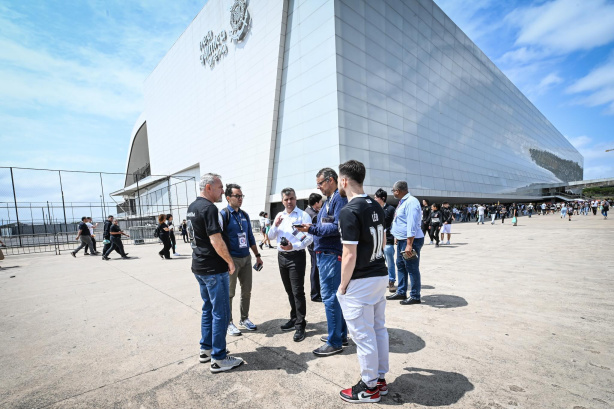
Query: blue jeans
<point x="481" y="218"/>
<point x="214" y="290"/>
<point x="330" y="278"/>
<point x="409" y="267"/>
<point x="389" y="253"/>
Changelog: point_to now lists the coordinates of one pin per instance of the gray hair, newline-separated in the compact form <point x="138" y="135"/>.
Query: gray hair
<point x="400" y="185"/>
<point x="208" y="179"/>
<point x="327" y="173"/>
<point x="286" y="192"/>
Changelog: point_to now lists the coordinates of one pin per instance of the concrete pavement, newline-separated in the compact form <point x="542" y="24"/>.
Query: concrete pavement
<point x="512" y="317"/>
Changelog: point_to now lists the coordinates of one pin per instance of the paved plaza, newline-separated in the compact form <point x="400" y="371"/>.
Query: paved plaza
<point x="513" y="317"/>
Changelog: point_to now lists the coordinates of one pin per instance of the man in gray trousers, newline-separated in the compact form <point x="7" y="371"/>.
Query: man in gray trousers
<point x="86" y="238"/>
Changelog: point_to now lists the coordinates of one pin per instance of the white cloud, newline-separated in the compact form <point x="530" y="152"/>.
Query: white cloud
<point x="597" y="87"/>
<point x="564" y="26"/>
<point x="548" y="82"/>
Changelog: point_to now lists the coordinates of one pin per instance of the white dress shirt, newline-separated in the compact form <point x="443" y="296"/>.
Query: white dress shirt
<point x="285" y="229"/>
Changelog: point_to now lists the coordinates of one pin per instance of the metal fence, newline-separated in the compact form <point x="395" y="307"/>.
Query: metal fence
<point x="40" y="209"/>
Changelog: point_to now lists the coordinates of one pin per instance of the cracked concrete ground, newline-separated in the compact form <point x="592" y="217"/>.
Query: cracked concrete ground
<point x="512" y="317"/>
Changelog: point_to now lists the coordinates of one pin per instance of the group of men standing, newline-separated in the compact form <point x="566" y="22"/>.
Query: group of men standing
<point x="347" y="235"/>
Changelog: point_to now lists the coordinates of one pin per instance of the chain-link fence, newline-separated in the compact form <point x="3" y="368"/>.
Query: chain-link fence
<point x="40" y="209"/>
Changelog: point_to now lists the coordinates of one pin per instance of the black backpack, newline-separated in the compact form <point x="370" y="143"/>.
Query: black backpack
<point x="226" y="217"/>
<point x="157" y="231"/>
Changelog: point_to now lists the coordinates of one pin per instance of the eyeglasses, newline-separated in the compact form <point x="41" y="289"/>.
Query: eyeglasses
<point x="394" y="190"/>
<point x="238" y="196"/>
<point x="318" y="184"/>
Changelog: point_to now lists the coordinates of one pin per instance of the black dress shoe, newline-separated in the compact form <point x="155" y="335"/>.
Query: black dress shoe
<point x="396" y="296"/>
<point x="410" y="301"/>
<point x="299" y="335"/>
<point x="317" y="299"/>
<point x="344" y="342"/>
<point x="288" y="326"/>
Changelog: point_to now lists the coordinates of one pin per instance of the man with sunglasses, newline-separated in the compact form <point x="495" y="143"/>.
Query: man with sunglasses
<point x="328" y="248"/>
<point x="237" y="225"/>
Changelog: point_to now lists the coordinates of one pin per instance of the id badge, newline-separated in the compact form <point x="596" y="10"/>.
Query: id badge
<point x="242" y="240"/>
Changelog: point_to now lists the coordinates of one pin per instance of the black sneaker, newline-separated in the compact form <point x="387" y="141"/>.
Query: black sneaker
<point x="288" y="326"/>
<point x="410" y="301"/>
<point x="299" y="335"/>
<point x="261" y="244"/>
<point x="73" y="254"/>
<point x="344" y="342"/>
<point x="105" y="258"/>
<point x="326" y="350"/>
<point x="396" y="296"/>
<point x="359" y="393"/>
<point x="126" y="257"/>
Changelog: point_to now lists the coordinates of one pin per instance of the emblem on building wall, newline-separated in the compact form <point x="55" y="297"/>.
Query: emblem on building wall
<point x="239" y="20"/>
<point x="213" y="47"/>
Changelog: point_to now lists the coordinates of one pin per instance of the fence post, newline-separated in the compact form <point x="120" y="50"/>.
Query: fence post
<point x="16" y="211"/>
<point x="138" y="197"/>
<point x="49" y="214"/>
<point x="104" y="213"/>
<point x="168" y="192"/>
<point x="63" y="204"/>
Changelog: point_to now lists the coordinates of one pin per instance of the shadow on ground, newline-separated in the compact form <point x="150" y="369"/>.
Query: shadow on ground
<point x="444" y="301"/>
<point x="404" y="342"/>
<point x="427" y="387"/>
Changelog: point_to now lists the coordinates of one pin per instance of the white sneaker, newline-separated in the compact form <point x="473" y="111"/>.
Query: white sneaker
<point x="233" y="330"/>
<point x="226" y="364"/>
<point x="448" y="242"/>
<point x="248" y="325"/>
<point x="205" y="355"/>
<point x="176" y="254"/>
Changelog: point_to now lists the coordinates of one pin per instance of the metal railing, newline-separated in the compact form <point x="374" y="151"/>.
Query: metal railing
<point x="142" y="234"/>
<point x="43" y="243"/>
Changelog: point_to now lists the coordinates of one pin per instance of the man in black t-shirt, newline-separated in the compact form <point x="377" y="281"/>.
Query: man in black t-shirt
<point x="364" y="279"/>
<point x="380" y="197"/>
<point x="211" y="265"/>
<point x="86" y="238"/>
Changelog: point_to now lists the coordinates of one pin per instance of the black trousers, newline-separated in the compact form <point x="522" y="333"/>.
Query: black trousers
<point x="93" y="245"/>
<point x="424" y="227"/>
<point x="185" y="237"/>
<point x="292" y="265"/>
<point x="314" y="276"/>
<point x="434" y="233"/>
<point x="166" y="240"/>
<point x="117" y="245"/>
<point x="108" y="246"/>
<point x="173" y="241"/>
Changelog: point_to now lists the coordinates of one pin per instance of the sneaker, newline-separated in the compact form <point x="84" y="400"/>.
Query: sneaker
<point x="248" y="325"/>
<point x="271" y="247"/>
<point x="360" y="393"/>
<point x="226" y="364"/>
<point x="396" y="296"/>
<point x="391" y="287"/>
<point x="176" y="254"/>
<point x="288" y="326"/>
<point x="299" y="335"/>
<point x="437" y="245"/>
<point x="260" y="245"/>
<point x="73" y="254"/>
<point x="205" y="355"/>
<point x="126" y="257"/>
<point x="410" y="301"/>
<point x="106" y="258"/>
<point x="233" y="330"/>
<point x="382" y="386"/>
<point x="447" y="242"/>
<point x="430" y="243"/>
<point x="326" y="350"/>
<point x="344" y="342"/>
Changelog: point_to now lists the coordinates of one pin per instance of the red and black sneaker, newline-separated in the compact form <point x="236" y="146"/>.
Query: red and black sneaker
<point x="382" y="386"/>
<point x="360" y="393"/>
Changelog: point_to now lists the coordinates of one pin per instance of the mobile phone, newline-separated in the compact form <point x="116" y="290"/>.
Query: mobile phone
<point x="257" y="267"/>
<point x="297" y="225"/>
<point x="413" y="256"/>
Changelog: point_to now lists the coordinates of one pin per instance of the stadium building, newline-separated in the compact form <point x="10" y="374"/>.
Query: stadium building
<point x="267" y="92"/>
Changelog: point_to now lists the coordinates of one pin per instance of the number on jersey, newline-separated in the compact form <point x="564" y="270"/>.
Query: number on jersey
<point x="378" y="241"/>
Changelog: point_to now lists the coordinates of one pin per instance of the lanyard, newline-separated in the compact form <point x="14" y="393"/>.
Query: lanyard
<point x="239" y="219"/>
<point x="328" y="203"/>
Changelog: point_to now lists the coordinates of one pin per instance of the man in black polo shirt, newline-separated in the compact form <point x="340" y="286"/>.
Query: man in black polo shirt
<point x="363" y="283"/>
<point x="211" y="265"/>
<point x="86" y="238"/>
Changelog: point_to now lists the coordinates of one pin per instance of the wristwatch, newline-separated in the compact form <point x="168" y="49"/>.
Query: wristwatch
<point x="257" y="255"/>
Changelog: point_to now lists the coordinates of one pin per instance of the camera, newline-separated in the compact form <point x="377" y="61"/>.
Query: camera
<point x="283" y="241"/>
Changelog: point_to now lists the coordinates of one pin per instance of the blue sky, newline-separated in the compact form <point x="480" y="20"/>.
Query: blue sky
<point x="71" y="73"/>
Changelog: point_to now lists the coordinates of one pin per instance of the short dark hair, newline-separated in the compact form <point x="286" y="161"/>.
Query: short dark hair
<point x="327" y="173"/>
<point x="286" y="191"/>
<point x="427" y="201"/>
<point x="83" y="218"/>
<point x="446" y="203"/>
<point x="229" y="188"/>
<point x="354" y="170"/>
<point x="109" y="216"/>
<point x="314" y="198"/>
<point x="436" y="206"/>
<point x="381" y="193"/>
<point x="261" y="214"/>
<point x="168" y="216"/>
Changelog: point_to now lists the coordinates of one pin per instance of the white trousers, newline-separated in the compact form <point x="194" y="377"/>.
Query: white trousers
<point x="364" y="310"/>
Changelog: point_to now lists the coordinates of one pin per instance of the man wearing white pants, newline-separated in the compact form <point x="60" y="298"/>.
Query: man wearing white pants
<point x="364" y="280"/>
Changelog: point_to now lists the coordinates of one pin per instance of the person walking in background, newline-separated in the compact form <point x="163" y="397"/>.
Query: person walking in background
<point x="544" y="208"/>
<point x="184" y="231"/>
<point x="426" y="217"/>
<point x="171" y="233"/>
<point x="164" y="236"/>
<point x="563" y="211"/>
<point x="86" y="238"/>
<point x="115" y="234"/>
<point x="435" y="220"/>
<point x="106" y="236"/>
<point x="363" y="283"/>
<point x="265" y="226"/>
<point x="328" y="248"/>
<point x="313" y="207"/>
<point x="492" y="210"/>
<point x="481" y="210"/>
<point x="380" y="197"/>
<point x="406" y="230"/>
<point x="236" y="224"/>
<point x="91" y="226"/>
<point x="530" y="209"/>
<point x="212" y="265"/>
<point x="503" y="212"/>
<point x="447" y="222"/>
<point x="605" y="208"/>
<point x="292" y="259"/>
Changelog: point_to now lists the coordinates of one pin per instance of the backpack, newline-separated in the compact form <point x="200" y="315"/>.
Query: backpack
<point x="157" y="232"/>
<point x="226" y="217"/>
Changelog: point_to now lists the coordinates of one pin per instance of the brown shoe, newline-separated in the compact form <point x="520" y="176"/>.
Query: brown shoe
<point x="391" y="287"/>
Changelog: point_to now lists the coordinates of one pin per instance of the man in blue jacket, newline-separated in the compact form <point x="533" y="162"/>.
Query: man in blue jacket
<point x="328" y="248"/>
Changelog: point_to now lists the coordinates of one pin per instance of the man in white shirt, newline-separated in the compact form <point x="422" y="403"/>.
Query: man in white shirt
<point x="481" y="209"/>
<point x="292" y="259"/>
<point x="91" y="227"/>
